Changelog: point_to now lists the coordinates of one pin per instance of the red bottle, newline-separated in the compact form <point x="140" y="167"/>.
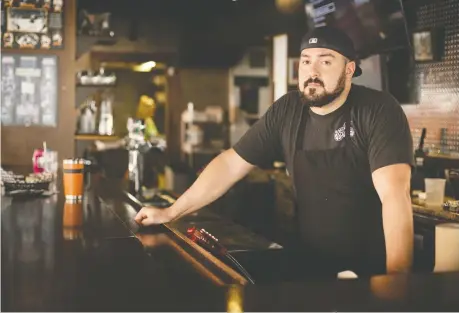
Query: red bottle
<point x="36" y="160"/>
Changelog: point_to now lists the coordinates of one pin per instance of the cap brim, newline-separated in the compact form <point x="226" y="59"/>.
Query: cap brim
<point x="358" y="71"/>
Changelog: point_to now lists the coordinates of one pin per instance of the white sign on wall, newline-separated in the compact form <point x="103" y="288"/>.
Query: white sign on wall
<point x="280" y="67"/>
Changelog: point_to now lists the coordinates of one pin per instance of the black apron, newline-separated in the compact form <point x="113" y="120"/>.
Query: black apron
<point x="339" y="213"/>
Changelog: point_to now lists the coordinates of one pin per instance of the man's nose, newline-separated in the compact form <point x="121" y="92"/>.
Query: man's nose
<point x="313" y="71"/>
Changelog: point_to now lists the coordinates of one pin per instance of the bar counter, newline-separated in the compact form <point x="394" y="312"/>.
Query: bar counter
<point x="94" y="257"/>
<point x="435" y="213"/>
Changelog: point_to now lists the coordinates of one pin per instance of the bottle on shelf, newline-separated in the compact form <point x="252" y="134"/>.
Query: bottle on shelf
<point x="418" y="174"/>
<point x="419" y="153"/>
<point x="87" y="119"/>
<point x="106" y="118"/>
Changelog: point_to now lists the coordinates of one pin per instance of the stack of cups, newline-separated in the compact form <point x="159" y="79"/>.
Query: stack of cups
<point x="446" y="247"/>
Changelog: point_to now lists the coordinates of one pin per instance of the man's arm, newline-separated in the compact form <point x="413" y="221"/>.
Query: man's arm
<point x="219" y="176"/>
<point x="390" y="153"/>
<point x="221" y="173"/>
<point x="392" y="184"/>
<point x="260" y="145"/>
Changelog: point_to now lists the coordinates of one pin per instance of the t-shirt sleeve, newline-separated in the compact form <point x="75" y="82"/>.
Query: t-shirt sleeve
<point x="261" y="144"/>
<point x="390" y="141"/>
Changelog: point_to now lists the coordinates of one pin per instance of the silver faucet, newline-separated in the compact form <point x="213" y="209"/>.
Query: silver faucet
<point x="138" y="146"/>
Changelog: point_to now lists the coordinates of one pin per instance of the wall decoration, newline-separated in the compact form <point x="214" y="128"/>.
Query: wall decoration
<point x="293" y="64"/>
<point x="427" y="44"/>
<point x="94" y="24"/>
<point x="29" y="90"/>
<point x="32" y="24"/>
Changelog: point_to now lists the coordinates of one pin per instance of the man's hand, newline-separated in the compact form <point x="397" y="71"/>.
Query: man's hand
<point x="153" y="216"/>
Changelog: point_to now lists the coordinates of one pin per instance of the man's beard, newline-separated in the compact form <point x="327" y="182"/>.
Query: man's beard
<point x="313" y="99"/>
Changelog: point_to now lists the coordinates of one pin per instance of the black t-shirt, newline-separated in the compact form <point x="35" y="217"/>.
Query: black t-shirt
<point x="379" y="127"/>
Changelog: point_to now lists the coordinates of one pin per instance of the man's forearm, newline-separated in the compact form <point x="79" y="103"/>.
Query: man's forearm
<point x="398" y="232"/>
<point x="220" y="175"/>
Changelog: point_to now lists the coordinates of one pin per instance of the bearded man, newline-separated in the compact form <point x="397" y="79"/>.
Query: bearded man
<point x="348" y="151"/>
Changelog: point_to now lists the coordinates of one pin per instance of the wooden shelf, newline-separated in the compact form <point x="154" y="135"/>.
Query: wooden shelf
<point x="95" y="137"/>
<point x="85" y="43"/>
<point x="442" y="156"/>
<point x="96" y="86"/>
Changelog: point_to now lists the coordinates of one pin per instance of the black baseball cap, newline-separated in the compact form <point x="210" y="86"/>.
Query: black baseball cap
<point x="334" y="39"/>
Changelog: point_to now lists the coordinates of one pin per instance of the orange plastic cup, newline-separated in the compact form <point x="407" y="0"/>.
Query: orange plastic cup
<point x="73" y="170"/>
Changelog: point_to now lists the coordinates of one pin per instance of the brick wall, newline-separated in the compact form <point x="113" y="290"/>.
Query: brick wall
<point x="438" y="82"/>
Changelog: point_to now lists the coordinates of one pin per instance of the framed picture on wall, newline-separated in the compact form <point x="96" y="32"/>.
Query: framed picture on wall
<point x="427" y="45"/>
<point x="32" y="24"/>
<point x="293" y="64"/>
<point x="29" y="90"/>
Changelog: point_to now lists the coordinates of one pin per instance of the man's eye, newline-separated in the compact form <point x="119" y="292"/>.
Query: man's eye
<point x="306" y="62"/>
<point x="326" y="62"/>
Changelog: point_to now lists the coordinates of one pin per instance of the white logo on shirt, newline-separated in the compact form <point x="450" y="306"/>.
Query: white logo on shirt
<point x="313" y="40"/>
<point x="340" y="133"/>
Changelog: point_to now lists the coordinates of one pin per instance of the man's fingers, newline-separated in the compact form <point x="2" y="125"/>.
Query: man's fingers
<point x="143" y="219"/>
<point x="147" y="221"/>
<point x="140" y="217"/>
<point x="147" y="216"/>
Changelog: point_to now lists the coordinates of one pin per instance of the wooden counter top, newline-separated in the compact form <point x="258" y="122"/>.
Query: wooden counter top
<point x="420" y="207"/>
<point x="96" y="258"/>
<point x="92" y="256"/>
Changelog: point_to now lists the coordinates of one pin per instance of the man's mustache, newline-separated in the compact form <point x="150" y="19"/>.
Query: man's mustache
<point x="313" y="81"/>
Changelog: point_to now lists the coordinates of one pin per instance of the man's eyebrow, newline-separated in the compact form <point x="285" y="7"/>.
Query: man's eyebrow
<point x="303" y="55"/>
<point x="327" y="55"/>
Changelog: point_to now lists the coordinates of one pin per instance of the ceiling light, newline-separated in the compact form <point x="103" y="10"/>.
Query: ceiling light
<point x="145" y="67"/>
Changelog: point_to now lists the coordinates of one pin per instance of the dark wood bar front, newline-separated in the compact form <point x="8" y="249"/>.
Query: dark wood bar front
<point x="94" y="257"/>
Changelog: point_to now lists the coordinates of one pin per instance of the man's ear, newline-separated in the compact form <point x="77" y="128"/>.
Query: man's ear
<point x="350" y="69"/>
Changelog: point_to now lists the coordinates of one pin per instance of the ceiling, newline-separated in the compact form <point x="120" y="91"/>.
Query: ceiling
<point x="210" y="32"/>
